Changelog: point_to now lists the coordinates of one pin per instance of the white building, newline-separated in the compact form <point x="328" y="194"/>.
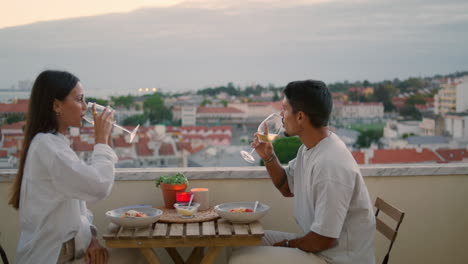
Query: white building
<point x="395" y="129"/>
<point x="220" y="115"/>
<point x="453" y="97"/>
<point x="257" y="111"/>
<point x="456" y="125"/>
<point x="359" y="110"/>
<point x="189" y="115"/>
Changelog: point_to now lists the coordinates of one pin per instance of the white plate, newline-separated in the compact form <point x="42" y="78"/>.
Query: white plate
<point x="241" y="217"/>
<point x="115" y="216"/>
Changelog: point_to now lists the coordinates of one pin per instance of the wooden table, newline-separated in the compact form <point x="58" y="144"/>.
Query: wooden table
<point x="213" y="235"/>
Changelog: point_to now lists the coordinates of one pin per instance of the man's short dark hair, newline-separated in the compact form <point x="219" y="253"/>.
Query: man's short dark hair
<point x="311" y="97"/>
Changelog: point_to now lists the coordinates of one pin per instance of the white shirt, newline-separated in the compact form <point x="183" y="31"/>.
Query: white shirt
<point x="55" y="187"/>
<point x="331" y="199"/>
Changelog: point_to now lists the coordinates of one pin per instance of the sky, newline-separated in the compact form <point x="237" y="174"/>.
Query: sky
<point x="120" y="46"/>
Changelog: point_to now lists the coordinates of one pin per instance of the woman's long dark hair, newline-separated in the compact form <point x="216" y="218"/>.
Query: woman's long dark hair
<point x="49" y="85"/>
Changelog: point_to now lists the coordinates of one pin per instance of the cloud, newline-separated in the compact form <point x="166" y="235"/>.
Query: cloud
<point x="184" y="47"/>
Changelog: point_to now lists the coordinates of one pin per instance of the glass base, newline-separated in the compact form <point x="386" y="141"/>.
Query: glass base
<point x="247" y="156"/>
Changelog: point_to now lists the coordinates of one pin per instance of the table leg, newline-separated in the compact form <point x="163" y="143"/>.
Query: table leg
<point x="196" y="255"/>
<point x="211" y="255"/>
<point x="175" y="255"/>
<point x="150" y="255"/>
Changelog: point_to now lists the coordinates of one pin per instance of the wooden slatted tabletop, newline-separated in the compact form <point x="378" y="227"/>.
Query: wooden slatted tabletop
<point x="214" y="235"/>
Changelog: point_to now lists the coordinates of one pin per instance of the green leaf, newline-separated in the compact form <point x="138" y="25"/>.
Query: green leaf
<point x="178" y="178"/>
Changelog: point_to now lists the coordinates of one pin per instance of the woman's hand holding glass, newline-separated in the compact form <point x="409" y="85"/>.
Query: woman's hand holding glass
<point x="103" y="123"/>
<point x="96" y="110"/>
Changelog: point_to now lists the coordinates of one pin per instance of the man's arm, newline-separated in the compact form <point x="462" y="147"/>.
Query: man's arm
<point x="312" y="243"/>
<point x="278" y="175"/>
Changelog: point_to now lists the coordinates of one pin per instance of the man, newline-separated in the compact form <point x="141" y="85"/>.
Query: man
<point x="331" y="201"/>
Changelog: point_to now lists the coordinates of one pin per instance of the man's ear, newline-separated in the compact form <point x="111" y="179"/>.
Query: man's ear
<point x="300" y="116"/>
<point x="57" y="106"/>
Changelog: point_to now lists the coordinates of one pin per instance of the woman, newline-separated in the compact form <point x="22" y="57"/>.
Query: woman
<point x="53" y="185"/>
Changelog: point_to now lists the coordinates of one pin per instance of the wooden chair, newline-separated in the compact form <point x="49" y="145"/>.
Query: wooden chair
<point x="3" y="255"/>
<point x="383" y="228"/>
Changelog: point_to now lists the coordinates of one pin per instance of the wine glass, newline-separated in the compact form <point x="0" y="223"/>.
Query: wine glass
<point x="273" y="124"/>
<point x="99" y="108"/>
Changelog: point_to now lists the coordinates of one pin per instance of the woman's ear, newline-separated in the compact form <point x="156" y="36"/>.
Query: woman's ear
<point x="57" y="106"/>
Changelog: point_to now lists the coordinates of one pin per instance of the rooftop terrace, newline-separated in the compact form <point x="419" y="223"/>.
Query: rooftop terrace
<point x="433" y="196"/>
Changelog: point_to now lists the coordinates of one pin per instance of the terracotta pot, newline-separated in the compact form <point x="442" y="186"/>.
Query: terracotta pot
<point x="169" y="193"/>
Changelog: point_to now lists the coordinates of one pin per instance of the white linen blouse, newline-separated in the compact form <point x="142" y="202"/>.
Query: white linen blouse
<point x="55" y="188"/>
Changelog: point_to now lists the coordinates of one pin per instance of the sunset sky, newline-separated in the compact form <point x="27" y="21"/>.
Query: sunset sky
<point x="177" y="45"/>
<point x="21" y="12"/>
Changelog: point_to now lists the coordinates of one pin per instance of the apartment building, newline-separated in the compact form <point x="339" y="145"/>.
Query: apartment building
<point x="453" y="97"/>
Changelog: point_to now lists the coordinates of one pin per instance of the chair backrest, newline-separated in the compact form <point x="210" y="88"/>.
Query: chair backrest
<point x="3" y="255"/>
<point x="389" y="232"/>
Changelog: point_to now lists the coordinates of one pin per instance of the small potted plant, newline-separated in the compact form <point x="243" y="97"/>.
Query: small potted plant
<point x="170" y="185"/>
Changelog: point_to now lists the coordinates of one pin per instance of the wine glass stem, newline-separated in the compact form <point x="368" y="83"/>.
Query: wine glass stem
<point x="121" y="127"/>
<point x="251" y="152"/>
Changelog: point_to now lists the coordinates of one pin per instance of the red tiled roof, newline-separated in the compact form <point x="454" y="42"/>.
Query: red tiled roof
<point x="259" y="103"/>
<point x="277" y="105"/>
<point x="221" y="128"/>
<point x="3" y="153"/>
<point x="232" y="110"/>
<point x="13" y="108"/>
<point x="172" y="129"/>
<point x="166" y="149"/>
<point x="453" y="154"/>
<point x="196" y="128"/>
<point x="193" y="136"/>
<point x="10" y="143"/>
<point x="142" y="148"/>
<point x="87" y="130"/>
<point x="383" y="156"/>
<point x="119" y="142"/>
<point x="187" y="146"/>
<point x="359" y="157"/>
<point x="17" y="125"/>
<point x="22" y="101"/>
<point x="125" y="158"/>
<point x="79" y="145"/>
<point x="363" y="103"/>
<point x="421" y="107"/>
<point x="218" y="136"/>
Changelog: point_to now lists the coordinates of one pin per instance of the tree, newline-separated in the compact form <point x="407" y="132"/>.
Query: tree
<point x="384" y="93"/>
<point x="155" y="110"/>
<point x="410" y="112"/>
<point x="224" y="102"/>
<point x="286" y="149"/>
<point x="15" y="117"/>
<point x="367" y="137"/>
<point x="97" y="101"/>
<point x="415" y="99"/>
<point x="276" y="97"/>
<point x="205" y="102"/>
<point x="134" y="120"/>
<point x="125" y="101"/>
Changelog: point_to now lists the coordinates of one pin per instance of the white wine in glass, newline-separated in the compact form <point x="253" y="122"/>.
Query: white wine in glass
<point x="99" y="108"/>
<point x="274" y="124"/>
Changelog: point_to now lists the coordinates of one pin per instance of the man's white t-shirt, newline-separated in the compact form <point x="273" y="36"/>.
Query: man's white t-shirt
<point x="331" y="199"/>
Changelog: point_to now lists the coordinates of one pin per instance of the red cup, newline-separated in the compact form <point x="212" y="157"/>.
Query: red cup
<point x="183" y="197"/>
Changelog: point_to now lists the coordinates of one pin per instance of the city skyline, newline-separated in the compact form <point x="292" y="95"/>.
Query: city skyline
<point x="191" y="45"/>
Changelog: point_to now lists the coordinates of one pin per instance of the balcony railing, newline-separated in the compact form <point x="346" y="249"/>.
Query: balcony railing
<point x="434" y="198"/>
